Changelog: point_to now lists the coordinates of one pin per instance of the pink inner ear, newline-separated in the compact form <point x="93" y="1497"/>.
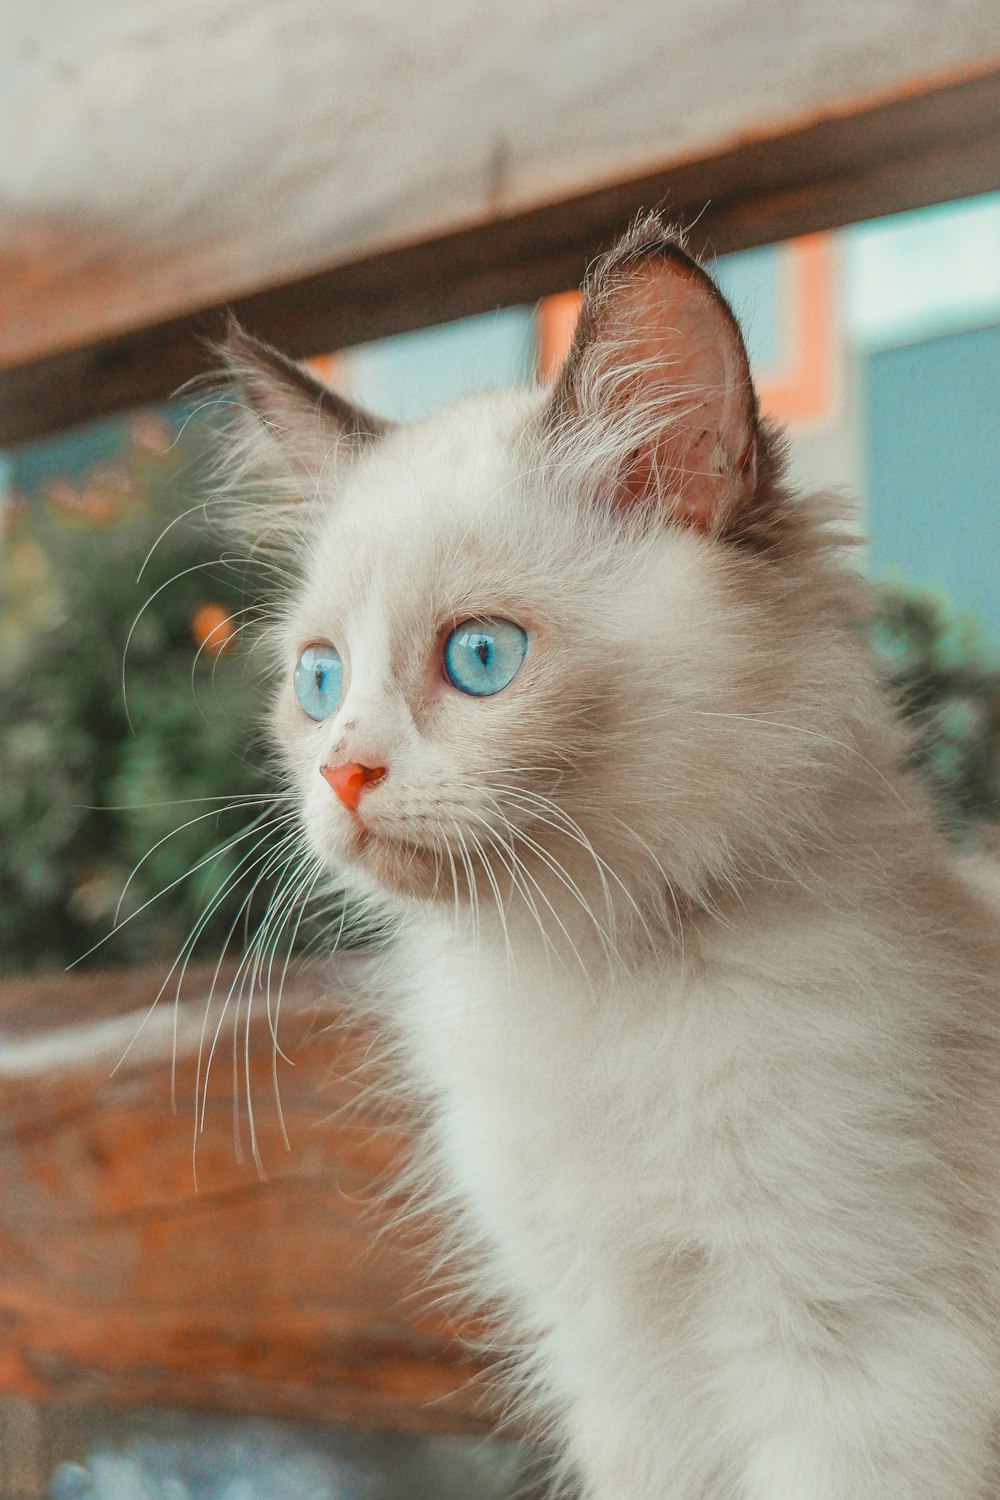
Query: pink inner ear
<point x="690" y="373"/>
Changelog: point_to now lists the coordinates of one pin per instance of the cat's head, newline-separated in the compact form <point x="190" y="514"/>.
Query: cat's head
<point x="531" y="646"/>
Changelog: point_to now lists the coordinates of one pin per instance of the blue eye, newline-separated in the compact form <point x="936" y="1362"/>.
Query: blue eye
<point x="318" y="680"/>
<point x="482" y="656"/>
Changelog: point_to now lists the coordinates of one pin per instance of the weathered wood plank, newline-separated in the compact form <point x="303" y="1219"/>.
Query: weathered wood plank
<point x="932" y="140"/>
<point x="123" y="1281"/>
<point x="153" y="162"/>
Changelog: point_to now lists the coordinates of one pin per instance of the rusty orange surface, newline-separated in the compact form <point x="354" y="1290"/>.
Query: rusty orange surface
<point x="128" y="1275"/>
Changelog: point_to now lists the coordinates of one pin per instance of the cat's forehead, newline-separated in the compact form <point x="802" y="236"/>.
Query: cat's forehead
<point x="454" y="463"/>
<point x="429" y="506"/>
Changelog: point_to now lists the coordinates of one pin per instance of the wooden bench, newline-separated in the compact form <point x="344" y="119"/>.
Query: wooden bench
<point x="146" y="1263"/>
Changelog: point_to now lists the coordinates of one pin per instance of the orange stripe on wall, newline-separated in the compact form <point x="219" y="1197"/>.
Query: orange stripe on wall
<point x="555" y="324"/>
<point x="804" y="391"/>
<point x="326" y="367"/>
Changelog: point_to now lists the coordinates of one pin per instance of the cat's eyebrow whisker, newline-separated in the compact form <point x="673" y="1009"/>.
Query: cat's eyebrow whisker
<point x="254" y="610"/>
<point x="249" y="609"/>
<point x="213" y="678"/>
<point x="202" y="505"/>
<point x="198" y="567"/>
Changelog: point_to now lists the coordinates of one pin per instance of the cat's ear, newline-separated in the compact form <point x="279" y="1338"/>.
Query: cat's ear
<point x="284" y="419"/>
<point x="659" y="379"/>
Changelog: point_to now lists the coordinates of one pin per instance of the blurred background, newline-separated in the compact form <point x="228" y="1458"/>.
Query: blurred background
<point x="877" y="346"/>
<point x="409" y="207"/>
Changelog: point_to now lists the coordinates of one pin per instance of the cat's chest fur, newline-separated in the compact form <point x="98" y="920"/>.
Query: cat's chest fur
<point x="602" y="1125"/>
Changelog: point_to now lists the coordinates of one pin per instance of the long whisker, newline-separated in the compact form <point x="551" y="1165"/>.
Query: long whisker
<point x="569" y="884"/>
<point x="470" y="880"/>
<point x="296" y="896"/>
<point x="520" y="874"/>
<point x="498" y="901"/>
<point x="268" y="862"/>
<point x="277" y="857"/>
<point x="190" y="942"/>
<point x="306" y="892"/>
<point x="605" y="871"/>
<point x="184" y="573"/>
<point x="254" y="611"/>
<point x="198" y="818"/>
<point x="164" y="890"/>
<point x="543" y="810"/>
<point x="236" y="799"/>
<point x="802" y="729"/>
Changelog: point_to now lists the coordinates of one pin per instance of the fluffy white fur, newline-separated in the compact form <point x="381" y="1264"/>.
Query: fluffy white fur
<point x="702" y="1008"/>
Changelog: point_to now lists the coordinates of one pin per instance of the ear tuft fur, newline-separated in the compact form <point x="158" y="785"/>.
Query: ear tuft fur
<point x="286" y="431"/>
<point x="659" y="378"/>
<point x="283" y="394"/>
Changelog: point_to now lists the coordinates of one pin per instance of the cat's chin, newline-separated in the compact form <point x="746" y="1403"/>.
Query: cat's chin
<point x="398" y="867"/>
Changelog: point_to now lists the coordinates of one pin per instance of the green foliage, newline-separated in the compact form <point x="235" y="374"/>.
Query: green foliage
<point x="94" y="776"/>
<point x="939" y="670"/>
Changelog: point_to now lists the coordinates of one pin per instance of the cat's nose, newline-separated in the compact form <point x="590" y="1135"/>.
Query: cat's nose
<point x="349" y="780"/>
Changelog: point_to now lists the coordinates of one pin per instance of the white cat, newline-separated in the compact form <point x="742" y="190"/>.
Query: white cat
<point x="702" y="1005"/>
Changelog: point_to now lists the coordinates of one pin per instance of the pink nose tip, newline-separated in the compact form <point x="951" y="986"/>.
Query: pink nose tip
<point x="349" y="781"/>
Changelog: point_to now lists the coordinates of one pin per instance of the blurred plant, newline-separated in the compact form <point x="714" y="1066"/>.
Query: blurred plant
<point x="109" y="767"/>
<point x="939" y="669"/>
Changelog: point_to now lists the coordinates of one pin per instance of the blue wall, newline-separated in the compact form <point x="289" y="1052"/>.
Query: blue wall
<point x="750" y="280"/>
<point x="931" y="415"/>
<point x="409" y="376"/>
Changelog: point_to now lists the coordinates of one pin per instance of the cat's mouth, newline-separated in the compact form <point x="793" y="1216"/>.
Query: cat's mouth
<point x="407" y="864"/>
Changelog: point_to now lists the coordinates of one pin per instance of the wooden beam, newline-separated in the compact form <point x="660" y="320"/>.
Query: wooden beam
<point x="124" y="1281"/>
<point x="934" y="140"/>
